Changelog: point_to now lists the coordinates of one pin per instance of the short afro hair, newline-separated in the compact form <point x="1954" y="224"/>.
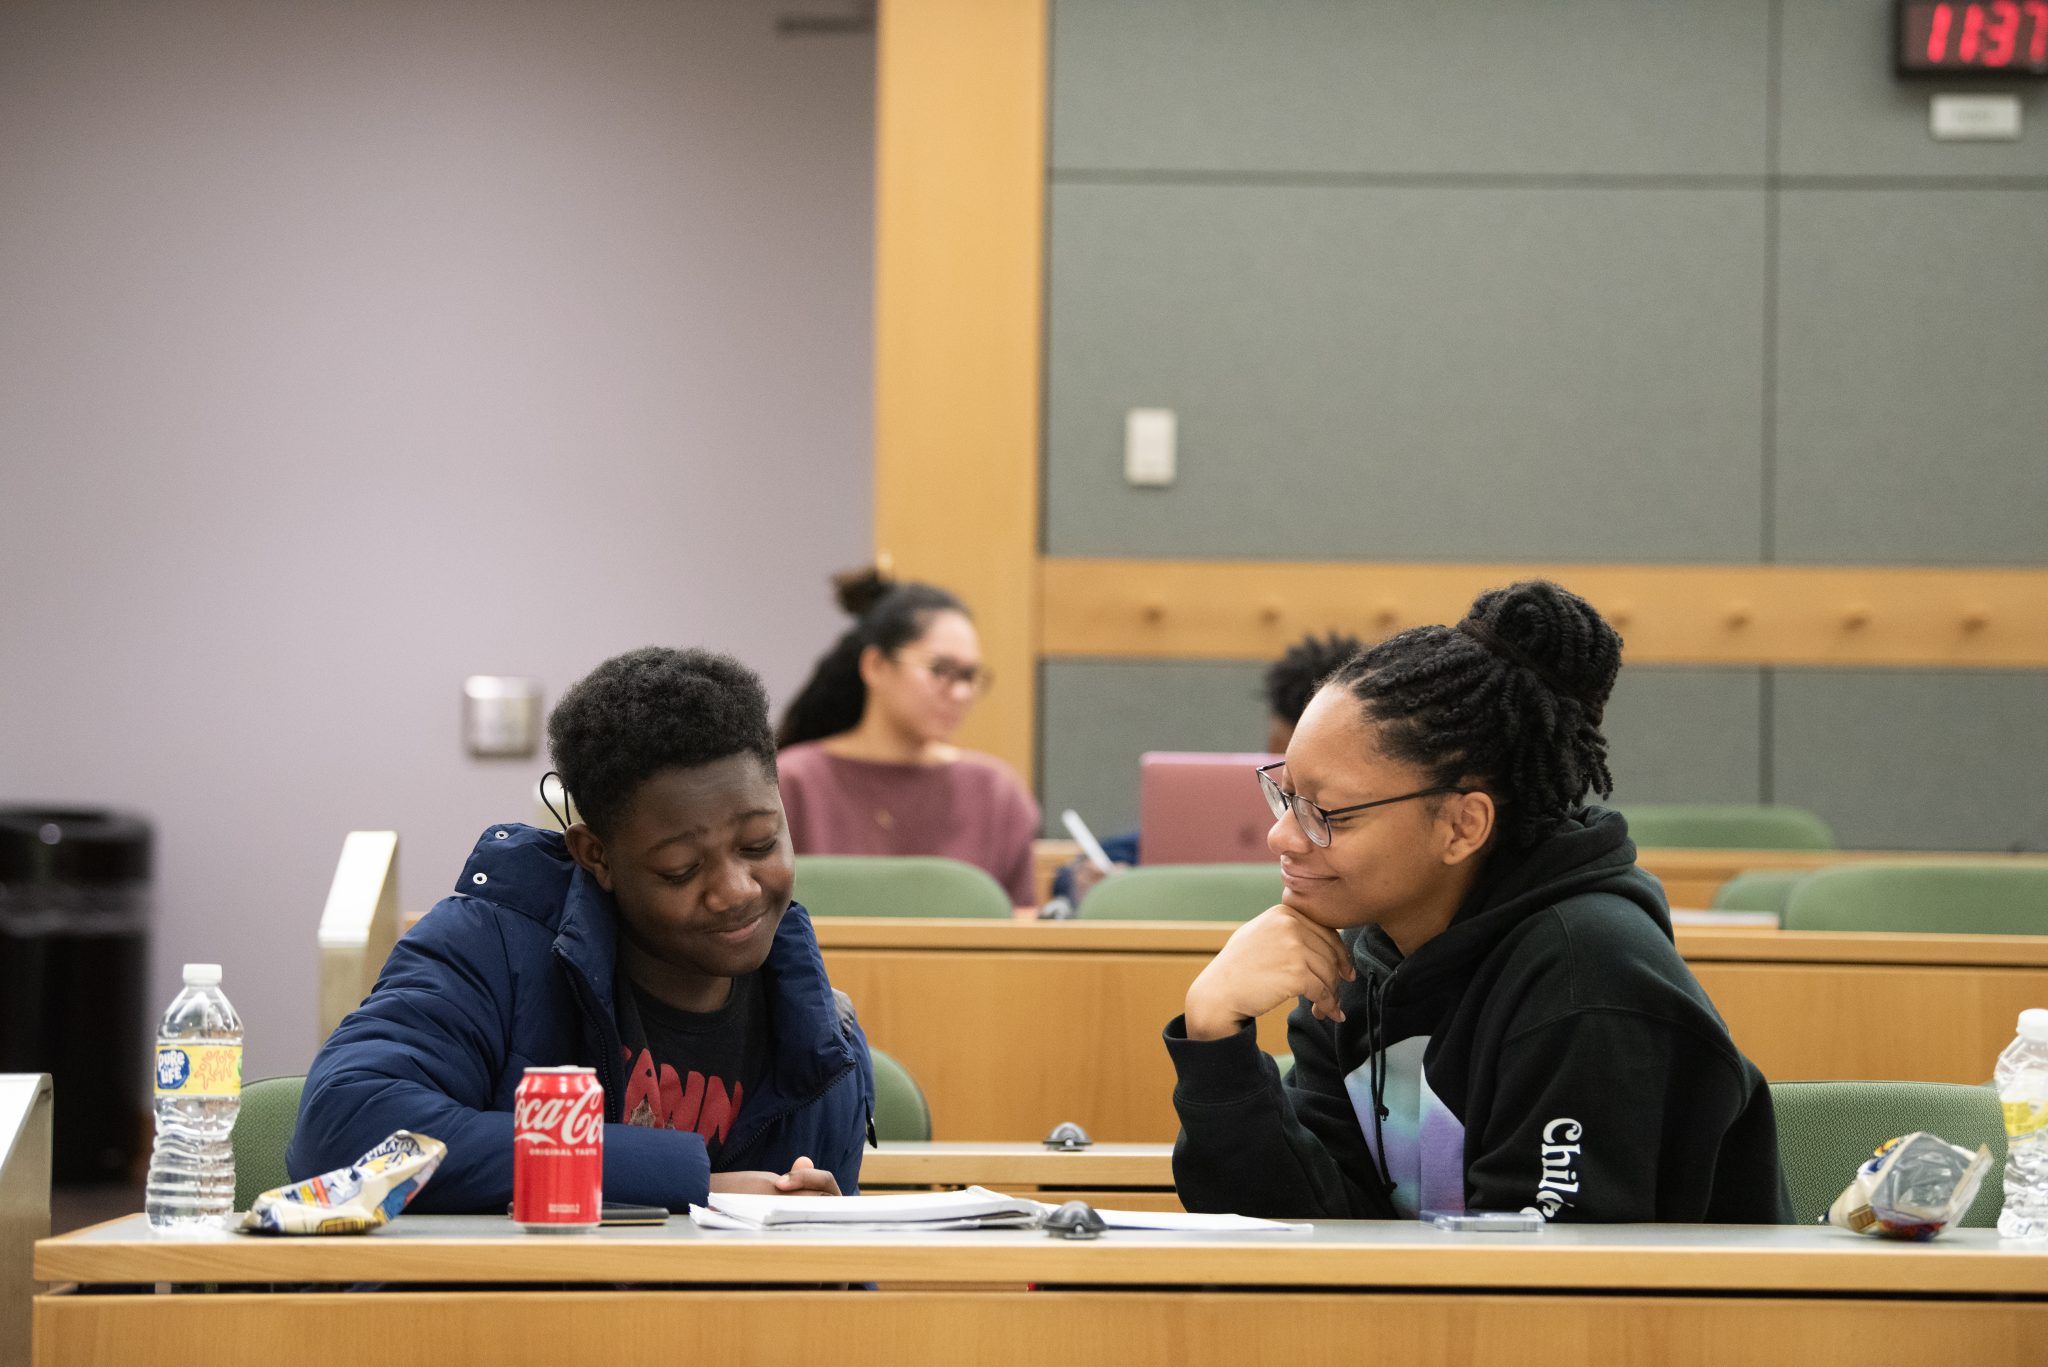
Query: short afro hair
<point x="1294" y="678"/>
<point x="648" y="710"/>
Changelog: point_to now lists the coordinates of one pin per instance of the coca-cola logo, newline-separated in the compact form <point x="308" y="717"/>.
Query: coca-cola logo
<point x="577" y="1119"/>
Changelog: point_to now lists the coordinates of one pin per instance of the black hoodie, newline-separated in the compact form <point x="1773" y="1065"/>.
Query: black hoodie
<point x="1549" y="1051"/>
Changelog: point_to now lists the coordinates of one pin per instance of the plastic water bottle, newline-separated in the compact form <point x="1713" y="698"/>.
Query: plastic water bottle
<point x="2023" y="1091"/>
<point x="198" y="1092"/>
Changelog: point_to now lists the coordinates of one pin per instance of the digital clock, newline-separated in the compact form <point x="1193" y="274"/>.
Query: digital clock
<point x="1973" y="37"/>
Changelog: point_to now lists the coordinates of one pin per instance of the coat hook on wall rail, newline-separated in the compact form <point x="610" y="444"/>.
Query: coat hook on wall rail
<point x="1856" y="616"/>
<point x="1976" y="618"/>
<point x="1386" y="614"/>
<point x="1622" y="614"/>
<point x="1152" y="610"/>
<point x="1270" y="612"/>
<point x="1738" y="616"/>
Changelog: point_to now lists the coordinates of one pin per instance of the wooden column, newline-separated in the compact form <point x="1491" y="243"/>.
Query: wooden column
<point x="959" y="204"/>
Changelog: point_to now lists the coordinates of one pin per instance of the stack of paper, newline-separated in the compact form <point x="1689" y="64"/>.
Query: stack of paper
<point x="974" y="1208"/>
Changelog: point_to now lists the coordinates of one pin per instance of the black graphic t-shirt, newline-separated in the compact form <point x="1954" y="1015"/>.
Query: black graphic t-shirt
<point x="692" y="1070"/>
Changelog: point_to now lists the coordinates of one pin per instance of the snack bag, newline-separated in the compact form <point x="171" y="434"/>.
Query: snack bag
<point x="1913" y="1188"/>
<point x="354" y="1199"/>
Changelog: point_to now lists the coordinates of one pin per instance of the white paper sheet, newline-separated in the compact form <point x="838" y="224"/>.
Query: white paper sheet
<point x="1193" y="1224"/>
<point x="914" y="1209"/>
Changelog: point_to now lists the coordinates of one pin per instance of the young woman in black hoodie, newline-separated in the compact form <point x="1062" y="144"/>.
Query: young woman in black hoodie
<point x="1492" y="1014"/>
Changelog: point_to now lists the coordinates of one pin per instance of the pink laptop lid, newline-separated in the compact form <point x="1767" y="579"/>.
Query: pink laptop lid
<point x="1198" y="807"/>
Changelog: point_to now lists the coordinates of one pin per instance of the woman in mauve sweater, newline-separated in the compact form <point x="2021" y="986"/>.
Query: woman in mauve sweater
<point x="866" y="766"/>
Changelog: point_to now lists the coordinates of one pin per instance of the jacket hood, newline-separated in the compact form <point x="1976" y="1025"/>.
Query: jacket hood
<point x="1589" y="852"/>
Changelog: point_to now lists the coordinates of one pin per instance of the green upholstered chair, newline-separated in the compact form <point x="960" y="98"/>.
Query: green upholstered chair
<point x="1759" y="890"/>
<point x="1826" y="1129"/>
<point x="264" y="1125"/>
<point x="888" y="885"/>
<point x="1952" y="897"/>
<point x="901" y="1112"/>
<point x="1184" y="892"/>
<point x="1717" y="826"/>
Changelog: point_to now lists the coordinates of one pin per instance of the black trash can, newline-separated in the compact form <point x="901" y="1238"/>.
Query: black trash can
<point x="74" y="979"/>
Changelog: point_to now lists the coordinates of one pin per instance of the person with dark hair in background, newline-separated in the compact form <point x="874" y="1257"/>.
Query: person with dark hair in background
<point x="1492" y="1015"/>
<point x="1290" y="682"/>
<point x="866" y="764"/>
<point x="1294" y="678"/>
<point x="654" y="941"/>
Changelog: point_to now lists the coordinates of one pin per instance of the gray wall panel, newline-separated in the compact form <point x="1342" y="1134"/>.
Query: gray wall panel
<point x="1097" y="716"/>
<point x="1899" y="759"/>
<point x="1308" y="85"/>
<point x="1433" y="374"/>
<point x="1685" y="735"/>
<point x="1842" y="111"/>
<point x="1911" y="402"/>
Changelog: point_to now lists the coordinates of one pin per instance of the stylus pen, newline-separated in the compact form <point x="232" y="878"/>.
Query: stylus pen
<point x="1085" y="838"/>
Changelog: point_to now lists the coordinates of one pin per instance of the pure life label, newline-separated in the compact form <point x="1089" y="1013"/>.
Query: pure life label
<point x="199" y="1070"/>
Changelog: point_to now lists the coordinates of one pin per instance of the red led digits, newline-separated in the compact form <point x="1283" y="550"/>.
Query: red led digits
<point x="1937" y="33"/>
<point x="1974" y="35"/>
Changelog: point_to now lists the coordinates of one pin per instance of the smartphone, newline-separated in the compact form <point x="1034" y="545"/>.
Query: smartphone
<point x="1485" y="1221"/>
<point x="615" y="1213"/>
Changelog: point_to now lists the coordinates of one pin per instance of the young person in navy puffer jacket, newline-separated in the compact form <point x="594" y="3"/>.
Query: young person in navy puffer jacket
<point x="655" y="941"/>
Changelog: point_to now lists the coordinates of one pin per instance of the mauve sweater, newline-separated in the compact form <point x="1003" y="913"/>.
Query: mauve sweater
<point x="971" y="810"/>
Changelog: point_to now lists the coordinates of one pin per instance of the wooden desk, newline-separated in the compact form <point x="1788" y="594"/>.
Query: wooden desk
<point x="1011" y="1028"/>
<point x="1117" y="1176"/>
<point x="1392" y="1292"/>
<point x="1692" y="877"/>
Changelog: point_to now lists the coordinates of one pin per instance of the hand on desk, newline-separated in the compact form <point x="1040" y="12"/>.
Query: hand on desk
<point x="1086" y="875"/>
<point x="1271" y="959"/>
<point x="803" y="1179"/>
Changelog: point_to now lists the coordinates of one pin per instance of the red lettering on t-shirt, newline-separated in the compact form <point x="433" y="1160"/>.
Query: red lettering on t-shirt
<point x="657" y="1097"/>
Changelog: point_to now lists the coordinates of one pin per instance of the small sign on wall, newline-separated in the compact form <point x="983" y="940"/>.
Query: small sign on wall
<point x="1974" y="118"/>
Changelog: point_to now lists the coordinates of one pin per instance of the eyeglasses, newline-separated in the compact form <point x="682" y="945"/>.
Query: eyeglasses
<point x="950" y="673"/>
<point x="1314" y="820"/>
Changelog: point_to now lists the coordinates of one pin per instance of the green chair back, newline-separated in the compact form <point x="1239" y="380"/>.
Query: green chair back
<point x="888" y="885"/>
<point x="264" y="1125"/>
<point x="1759" y="890"/>
<point x="1953" y="898"/>
<point x="1184" y="892"/>
<point x="901" y="1112"/>
<point x="1721" y="826"/>
<point x="1285" y="1063"/>
<point x="1827" y="1129"/>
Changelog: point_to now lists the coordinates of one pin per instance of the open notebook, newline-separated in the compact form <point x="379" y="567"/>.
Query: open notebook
<point x="924" y="1211"/>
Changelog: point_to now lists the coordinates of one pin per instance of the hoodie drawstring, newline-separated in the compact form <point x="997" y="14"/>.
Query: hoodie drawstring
<point x="1375" y="1030"/>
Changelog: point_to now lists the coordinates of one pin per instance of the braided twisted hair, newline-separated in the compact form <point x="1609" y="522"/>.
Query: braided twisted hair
<point x="1510" y="700"/>
<point x="887" y="615"/>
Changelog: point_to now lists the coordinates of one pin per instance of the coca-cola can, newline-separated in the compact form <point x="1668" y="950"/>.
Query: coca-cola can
<point x="558" y="1150"/>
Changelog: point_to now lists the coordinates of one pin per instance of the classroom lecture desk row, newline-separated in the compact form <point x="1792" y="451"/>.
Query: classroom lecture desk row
<point x="1013" y="1027"/>
<point x="470" y="1289"/>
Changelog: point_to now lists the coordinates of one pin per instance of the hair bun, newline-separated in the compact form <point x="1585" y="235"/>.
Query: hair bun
<point x="1557" y="634"/>
<point x="858" y="590"/>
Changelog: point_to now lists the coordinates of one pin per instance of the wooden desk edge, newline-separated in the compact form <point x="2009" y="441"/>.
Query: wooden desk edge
<point x="1858" y="1267"/>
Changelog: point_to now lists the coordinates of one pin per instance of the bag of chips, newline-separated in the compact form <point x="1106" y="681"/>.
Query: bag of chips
<point x="1914" y="1187"/>
<point x="354" y="1199"/>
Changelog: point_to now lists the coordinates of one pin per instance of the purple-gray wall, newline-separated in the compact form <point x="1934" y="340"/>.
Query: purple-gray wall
<point x="348" y="349"/>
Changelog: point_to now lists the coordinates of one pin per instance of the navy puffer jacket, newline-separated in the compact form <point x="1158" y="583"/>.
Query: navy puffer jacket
<point x="516" y="971"/>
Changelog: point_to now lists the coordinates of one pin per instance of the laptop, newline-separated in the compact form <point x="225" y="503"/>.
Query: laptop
<point x="1198" y="807"/>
